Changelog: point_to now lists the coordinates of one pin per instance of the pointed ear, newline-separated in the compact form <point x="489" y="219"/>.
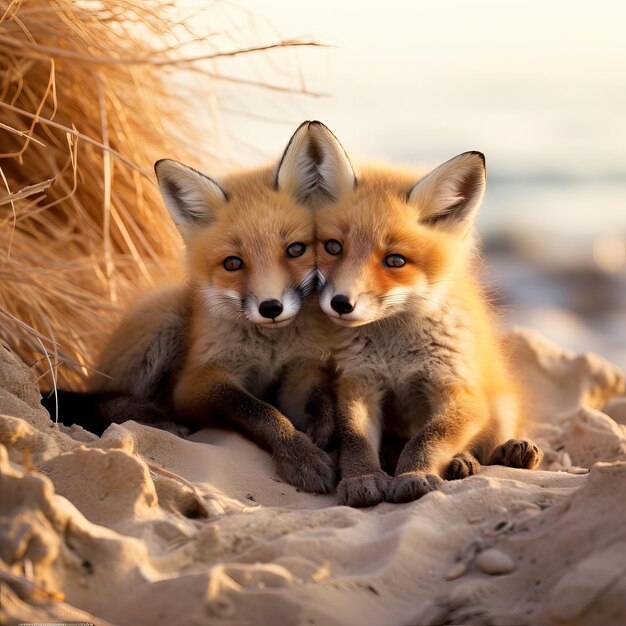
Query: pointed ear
<point x="190" y="197"/>
<point x="450" y="196"/>
<point x="315" y="168"/>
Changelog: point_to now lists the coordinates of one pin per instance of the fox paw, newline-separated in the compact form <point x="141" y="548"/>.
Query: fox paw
<point x="412" y="486"/>
<point x="361" y="491"/>
<point x="521" y="453"/>
<point x="463" y="464"/>
<point x="302" y="464"/>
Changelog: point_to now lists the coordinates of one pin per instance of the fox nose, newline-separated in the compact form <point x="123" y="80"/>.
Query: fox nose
<point x="342" y="304"/>
<point x="270" y="308"/>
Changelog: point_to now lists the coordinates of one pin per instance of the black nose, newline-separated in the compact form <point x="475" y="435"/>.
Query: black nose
<point x="342" y="304"/>
<point x="270" y="309"/>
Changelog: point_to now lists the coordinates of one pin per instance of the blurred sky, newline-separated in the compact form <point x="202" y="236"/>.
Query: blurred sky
<point x="538" y="86"/>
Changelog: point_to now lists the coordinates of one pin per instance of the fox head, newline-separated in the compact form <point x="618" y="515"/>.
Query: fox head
<point x="250" y="237"/>
<point x="394" y="240"/>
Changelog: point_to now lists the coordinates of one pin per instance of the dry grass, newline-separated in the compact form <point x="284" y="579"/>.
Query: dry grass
<point x="85" y="110"/>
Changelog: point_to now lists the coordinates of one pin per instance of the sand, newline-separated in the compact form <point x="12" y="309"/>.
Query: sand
<point x="144" y="527"/>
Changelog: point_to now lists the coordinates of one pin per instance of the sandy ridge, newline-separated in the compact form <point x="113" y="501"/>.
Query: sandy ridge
<point x="143" y="527"/>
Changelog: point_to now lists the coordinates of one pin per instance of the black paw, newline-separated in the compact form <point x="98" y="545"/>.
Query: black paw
<point x="412" y="486"/>
<point x="367" y="490"/>
<point x="463" y="464"/>
<point x="302" y="464"/>
<point x="517" y="453"/>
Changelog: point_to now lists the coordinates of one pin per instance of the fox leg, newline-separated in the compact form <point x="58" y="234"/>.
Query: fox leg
<point x="210" y="391"/>
<point x="460" y="417"/>
<point x="306" y="396"/>
<point x="363" y="482"/>
<point x="502" y="444"/>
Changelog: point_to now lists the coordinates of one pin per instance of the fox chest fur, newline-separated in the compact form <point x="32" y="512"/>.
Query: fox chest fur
<point x="404" y="359"/>
<point x="255" y="357"/>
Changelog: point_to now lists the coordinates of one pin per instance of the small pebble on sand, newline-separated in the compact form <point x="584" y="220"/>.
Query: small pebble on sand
<point x="574" y="469"/>
<point x="494" y="562"/>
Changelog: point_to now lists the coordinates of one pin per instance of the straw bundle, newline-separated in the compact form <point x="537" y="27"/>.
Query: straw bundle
<point x="85" y="109"/>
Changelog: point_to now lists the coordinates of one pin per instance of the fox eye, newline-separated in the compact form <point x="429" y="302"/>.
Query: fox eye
<point x="295" y="250"/>
<point x="394" y="260"/>
<point x="332" y="246"/>
<point x="232" y="263"/>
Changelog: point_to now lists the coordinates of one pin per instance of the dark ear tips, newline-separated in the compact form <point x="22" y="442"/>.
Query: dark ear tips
<point x="478" y="154"/>
<point x="304" y="124"/>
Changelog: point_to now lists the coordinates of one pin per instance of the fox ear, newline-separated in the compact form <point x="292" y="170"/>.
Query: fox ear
<point x="315" y="168"/>
<point x="451" y="194"/>
<point x="190" y="197"/>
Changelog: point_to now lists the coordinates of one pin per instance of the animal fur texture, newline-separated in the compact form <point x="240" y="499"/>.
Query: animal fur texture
<point x="241" y="345"/>
<point x="423" y="383"/>
<point x="400" y="361"/>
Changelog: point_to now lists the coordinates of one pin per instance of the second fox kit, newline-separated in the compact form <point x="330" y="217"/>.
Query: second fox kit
<point x="236" y="335"/>
<point x="418" y="359"/>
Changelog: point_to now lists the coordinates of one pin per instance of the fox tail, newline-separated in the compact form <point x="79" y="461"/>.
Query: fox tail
<point x="96" y="411"/>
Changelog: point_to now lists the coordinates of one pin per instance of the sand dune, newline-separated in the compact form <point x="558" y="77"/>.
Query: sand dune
<point x="144" y="527"/>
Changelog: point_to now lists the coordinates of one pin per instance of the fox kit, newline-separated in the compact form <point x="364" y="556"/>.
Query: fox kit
<point x="418" y="360"/>
<point x="243" y="331"/>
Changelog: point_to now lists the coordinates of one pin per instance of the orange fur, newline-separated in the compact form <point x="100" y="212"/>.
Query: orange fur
<point x="257" y="224"/>
<point x="225" y="346"/>
<point x="419" y="357"/>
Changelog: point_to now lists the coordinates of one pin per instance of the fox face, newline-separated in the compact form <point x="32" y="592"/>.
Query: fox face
<point x="259" y="267"/>
<point x="391" y="242"/>
<point x="254" y="259"/>
<point x="250" y="238"/>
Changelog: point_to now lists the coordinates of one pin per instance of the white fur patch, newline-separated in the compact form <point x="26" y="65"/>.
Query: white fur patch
<point x="189" y="196"/>
<point x="368" y="309"/>
<point x="363" y="312"/>
<point x="325" y="295"/>
<point x="291" y="304"/>
<point x="222" y="303"/>
<point x="291" y="301"/>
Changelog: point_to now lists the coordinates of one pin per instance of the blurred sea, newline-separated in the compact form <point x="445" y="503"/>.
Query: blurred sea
<point x="556" y="258"/>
